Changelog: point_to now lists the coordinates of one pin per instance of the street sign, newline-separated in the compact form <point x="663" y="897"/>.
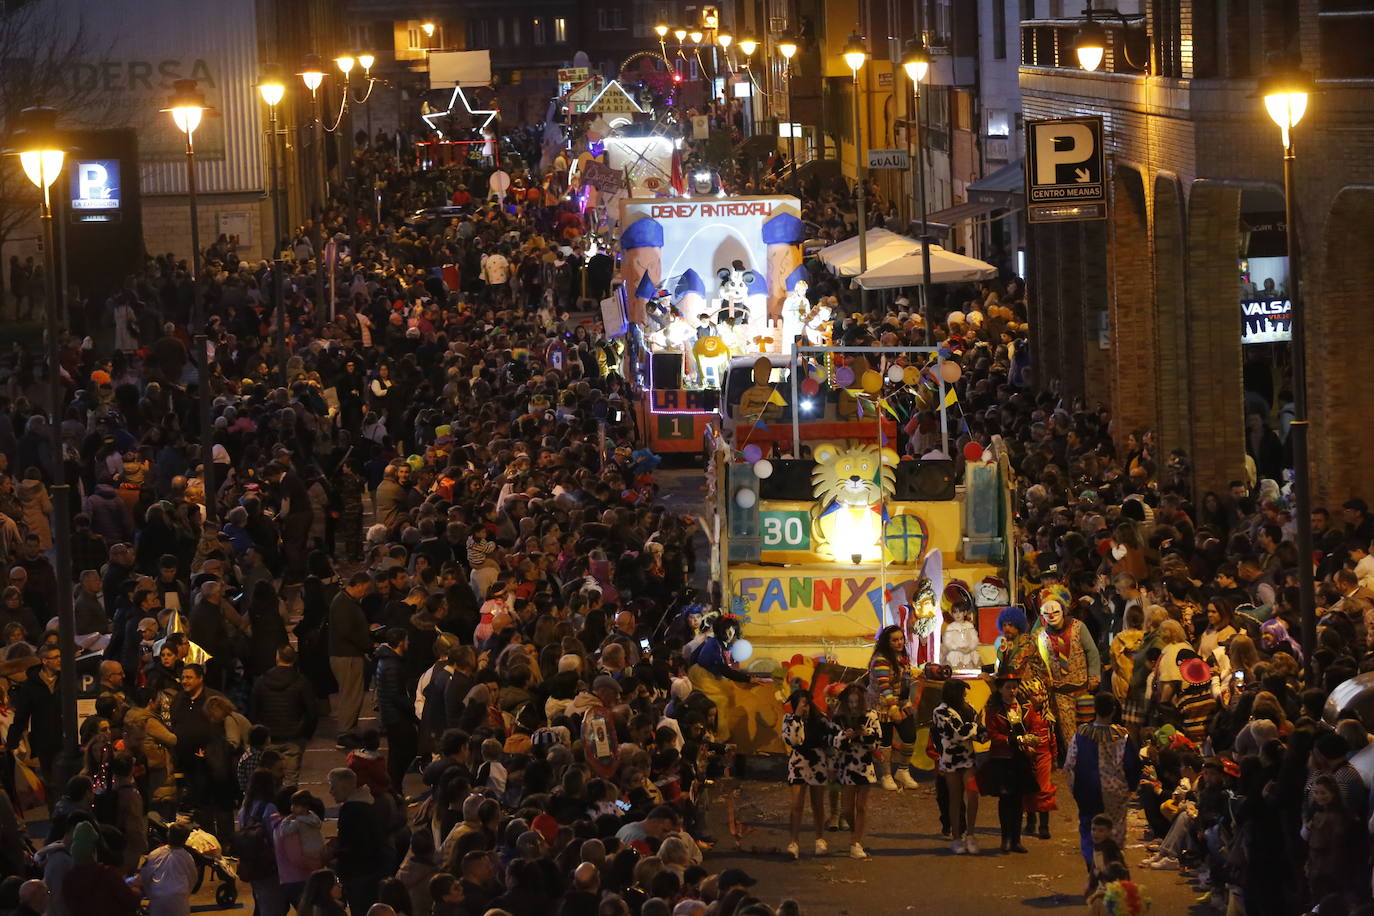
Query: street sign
<point x="888" y="159"/>
<point x="885" y="79"/>
<point x="1066" y="173"/>
<point x="573" y="74"/>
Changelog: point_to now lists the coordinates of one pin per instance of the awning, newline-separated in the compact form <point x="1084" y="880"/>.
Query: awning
<point x="945" y="267"/>
<point x="1009" y="179"/>
<point x="883" y="246"/>
<point x="953" y="216"/>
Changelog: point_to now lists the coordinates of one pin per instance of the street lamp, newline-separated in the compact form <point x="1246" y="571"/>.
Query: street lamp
<point x="855" y="54"/>
<point x="787" y="47"/>
<point x="366" y="60"/>
<point x="696" y="35"/>
<point x="1090" y="44"/>
<point x="725" y="38"/>
<point x="272" y="88"/>
<point x="679" y="34"/>
<point x="312" y="74"/>
<point x="428" y="29"/>
<point x="188" y="108"/>
<point x="916" y="63"/>
<point x="748" y="46"/>
<point x="345" y="64"/>
<point x="1285" y="98"/>
<point x="661" y="30"/>
<point x="42" y="153"/>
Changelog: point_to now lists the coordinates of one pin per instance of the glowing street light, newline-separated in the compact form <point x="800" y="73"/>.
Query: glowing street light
<point x="312" y="73"/>
<point x="1090" y="44"/>
<point x="696" y="35"/>
<point x="916" y="61"/>
<point x="366" y="61"/>
<point x="748" y="46"/>
<point x="661" y="30"/>
<point x="345" y="64"/>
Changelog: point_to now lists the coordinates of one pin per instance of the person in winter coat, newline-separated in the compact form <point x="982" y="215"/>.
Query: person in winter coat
<point x="109" y="514"/>
<point x="395" y="708"/>
<point x="285" y="703"/>
<point x="267" y="628"/>
<point x="298" y="843"/>
<point x="159" y="743"/>
<point x="33" y="496"/>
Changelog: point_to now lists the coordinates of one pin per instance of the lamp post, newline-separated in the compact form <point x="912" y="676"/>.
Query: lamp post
<point x="187" y="107"/>
<point x="1285" y="98"/>
<point x="787" y="47"/>
<point x="41" y="154"/>
<point x="855" y="54"/>
<point x="916" y="63"/>
<point x="366" y="60"/>
<point x="272" y="88"/>
<point x="312" y="74"/>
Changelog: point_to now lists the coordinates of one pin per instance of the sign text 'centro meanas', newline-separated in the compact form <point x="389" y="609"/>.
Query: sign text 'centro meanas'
<point x="888" y="159"/>
<point x="1066" y="175"/>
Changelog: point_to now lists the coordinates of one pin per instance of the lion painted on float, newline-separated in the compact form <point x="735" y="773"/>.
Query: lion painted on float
<point x="848" y="483"/>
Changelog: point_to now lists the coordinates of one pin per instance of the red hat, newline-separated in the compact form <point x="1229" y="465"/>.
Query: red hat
<point x="547" y="826"/>
<point x="1195" y="671"/>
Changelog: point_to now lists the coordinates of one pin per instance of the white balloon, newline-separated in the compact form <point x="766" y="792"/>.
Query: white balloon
<point x="746" y="498"/>
<point x="763" y="468"/>
<point x="741" y="650"/>
<point x="894" y="373"/>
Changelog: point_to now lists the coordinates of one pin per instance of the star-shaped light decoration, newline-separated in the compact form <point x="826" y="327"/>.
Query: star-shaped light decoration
<point x="458" y="94"/>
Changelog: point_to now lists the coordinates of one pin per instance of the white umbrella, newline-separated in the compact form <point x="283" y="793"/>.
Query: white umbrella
<point x="882" y="246"/>
<point x="945" y="267"/>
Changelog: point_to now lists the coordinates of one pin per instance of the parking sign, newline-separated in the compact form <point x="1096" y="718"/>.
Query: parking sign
<point x="1066" y="175"/>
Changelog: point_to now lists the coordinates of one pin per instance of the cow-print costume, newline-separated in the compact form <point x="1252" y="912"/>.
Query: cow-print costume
<point x="811" y="762"/>
<point x="854" y="756"/>
<point x="954" y="736"/>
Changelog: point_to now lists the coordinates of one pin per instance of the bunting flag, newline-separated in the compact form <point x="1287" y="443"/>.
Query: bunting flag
<point x="951" y="398"/>
<point x="776" y="398"/>
<point x="833" y="507"/>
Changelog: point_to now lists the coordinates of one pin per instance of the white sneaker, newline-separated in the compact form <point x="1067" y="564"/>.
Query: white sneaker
<point x="857" y="852"/>
<point x="970" y="845"/>
<point x="793" y="851"/>
<point x="822" y="848"/>
<point x="1163" y="863"/>
<point x="958" y="847"/>
<point x="888" y="783"/>
<point x="904" y="779"/>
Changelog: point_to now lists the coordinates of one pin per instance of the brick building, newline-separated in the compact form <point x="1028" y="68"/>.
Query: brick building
<point x="1141" y="311"/>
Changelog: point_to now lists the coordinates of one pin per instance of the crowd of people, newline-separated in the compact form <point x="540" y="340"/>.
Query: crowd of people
<point x="428" y="492"/>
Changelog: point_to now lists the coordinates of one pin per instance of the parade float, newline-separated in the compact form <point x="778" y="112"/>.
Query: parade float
<point x="816" y="551"/>
<point x="709" y="282"/>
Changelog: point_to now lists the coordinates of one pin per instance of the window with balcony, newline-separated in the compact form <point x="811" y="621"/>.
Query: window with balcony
<point x="560" y="30"/>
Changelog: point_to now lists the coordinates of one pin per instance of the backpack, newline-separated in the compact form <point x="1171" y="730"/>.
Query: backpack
<point x="252" y="846"/>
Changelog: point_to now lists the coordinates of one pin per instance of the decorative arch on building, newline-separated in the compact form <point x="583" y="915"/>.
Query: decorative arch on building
<point x="1340" y="273"/>
<point x="1216" y="407"/>
<point x="1171" y="313"/>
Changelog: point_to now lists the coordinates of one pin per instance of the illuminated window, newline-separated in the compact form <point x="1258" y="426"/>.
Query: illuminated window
<point x="560" y="30"/>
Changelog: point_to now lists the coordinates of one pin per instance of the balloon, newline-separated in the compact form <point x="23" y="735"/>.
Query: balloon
<point x="844" y="376"/>
<point x="810" y="387"/>
<point x="752" y="453"/>
<point x="746" y="498"/>
<point x="950" y="372"/>
<point x="741" y="650"/>
<point x="709" y="347"/>
<point x="763" y="469"/>
<point x="911" y="375"/>
<point x="895" y="373"/>
<point x="973" y="451"/>
<point x="872" y="382"/>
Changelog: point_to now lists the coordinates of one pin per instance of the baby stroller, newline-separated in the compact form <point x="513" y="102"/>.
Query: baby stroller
<point x="206" y="852"/>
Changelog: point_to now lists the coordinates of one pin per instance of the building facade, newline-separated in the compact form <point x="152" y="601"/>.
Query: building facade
<point x="1146" y="311"/>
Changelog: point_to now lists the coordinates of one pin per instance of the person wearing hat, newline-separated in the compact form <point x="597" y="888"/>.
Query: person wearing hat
<point x="1194" y="700"/>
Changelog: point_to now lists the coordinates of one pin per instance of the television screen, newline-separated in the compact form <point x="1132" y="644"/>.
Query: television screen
<point x="95" y="184"/>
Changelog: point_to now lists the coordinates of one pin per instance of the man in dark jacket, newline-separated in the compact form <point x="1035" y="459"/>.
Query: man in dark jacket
<point x="357" y="858"/>
<point x="38" y="710"/>
<point x="109" y="514"/>
<point x="350" y="642"/>
<point x="212" y="628"/>
<point x="395" y="707"/>
<point x="284" y="702"/>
